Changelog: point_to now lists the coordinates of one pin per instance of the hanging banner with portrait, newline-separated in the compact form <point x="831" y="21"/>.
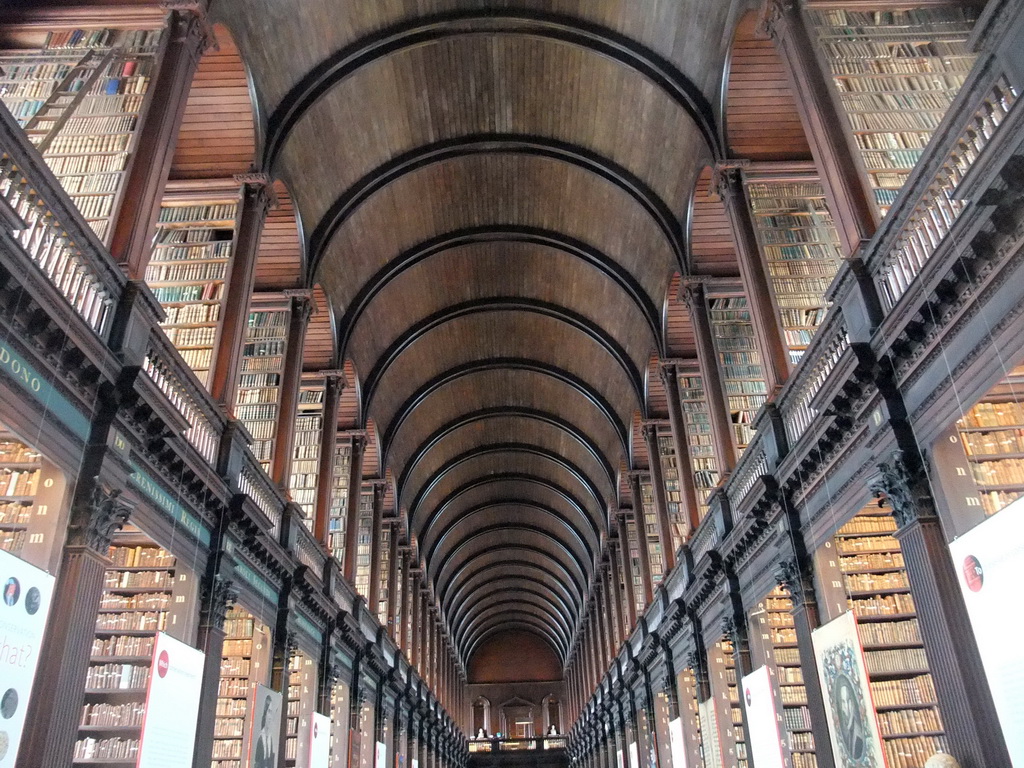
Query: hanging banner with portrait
<point x="27" y="593"/>
<point x="989" y="560"/>
<point x="265" y="728"/>
<point x="853" y="726"/>
<point x="762" y="719"/>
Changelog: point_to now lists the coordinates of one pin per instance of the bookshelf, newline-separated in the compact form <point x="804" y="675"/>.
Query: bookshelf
<point x="245" y="661"/>
<point x="726" y="692"/>
<point x="144" y="593"/>
<point x="338" y="514"/>
<point x="259" y="389"/>
<point x="300" y="707"/>
<point x="650" y="527"/>
<point x="636" y="566"/>
<point x="868" y="563"/>
<point x="697" y="422"/>
<point x="777" y="634"/>
<point x="673" y="491"/>
<point x="800" y="247"/>
<point x="739" y="361"/>
<point x="186" y="272"/>
<point x="384" y="556"/>
<point x="80" y="98"/>
<point x="992" y="435"/>
<point x="309" y="422"/>
<point x="895" y="73"/>
<point x="364" y="547"/>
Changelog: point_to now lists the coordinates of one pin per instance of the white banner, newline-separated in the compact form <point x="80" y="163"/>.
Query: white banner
<point x="172" y="704"/>
<point x="620" y="760"/>
<point x="27" y="593"/>
<point x="320" y="741"/>
<point x="634" y="755"/>
<point x="762" y="719"/>
<point x="856" y="741"/>
<point x="265" y="728"/>
<point x="380" y="754"/>
<point x="989" y="561"/>
<point x="709" y="734"/>
<point x="677" y="740"/>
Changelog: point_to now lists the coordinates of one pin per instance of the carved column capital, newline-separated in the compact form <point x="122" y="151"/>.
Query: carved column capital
<point x="216" y="598"/>
<point x="726" y="181"/>
<point x="94" y="519"/>
<point x="904" y="484"/>
<point x="729" y="628"/>
<point x="190" y="25"/>
<point x="772" y="13"/>
<point x="795" y="579"/>
<point x="691" y="291"/>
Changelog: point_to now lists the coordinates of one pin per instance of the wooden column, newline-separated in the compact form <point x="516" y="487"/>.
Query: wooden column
<point x="615" y="572"/>
<point x="407" y="592"/>
<point x="355" y="489"/>
<point x="693" y="294"/>
<point x="728" y="182"/>
<point x="58" y="693"/>
<point x="611" y="590"/>
<point x="334" y="382"/>
<point x="284" y="647"/>
<point x="642" y="545"/>
<point x="134" y="223"/>
<point x="684" y="466"/>
<point x="839" y="164"/>
<point x="393" y="569"/>
<point x="968" y="713"/>
<point x="600" y="606"/>
<point x="291" y="382"/>
<point x="225" y="368"/>
<point x="424" y="660"/>
<point x="376" y="525"/>
<point x="668" y="551"/>
<point x="216" y="597"/>
<point x="627" y="571"/>
<point x="416" y="618"/>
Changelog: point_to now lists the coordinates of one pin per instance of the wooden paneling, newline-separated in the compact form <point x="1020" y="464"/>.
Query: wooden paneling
<point x="761" y="113"/>
<point x="657" y="404"/>
<point x="279" y="264"/>
<point x="679" y="338"/>
<point x="318" y="353"/>
<point x="348" y="405"/>
<point x="711" y="242"/>
<point x="217" y="138"/>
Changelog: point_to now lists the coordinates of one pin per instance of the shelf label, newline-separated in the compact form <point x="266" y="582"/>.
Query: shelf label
<point x="172" y="704"/>
<point x="988" y="562"/>
<point x="27" y="594"/>
<point x="852" y="724"/>
<point x="762" y="719"/>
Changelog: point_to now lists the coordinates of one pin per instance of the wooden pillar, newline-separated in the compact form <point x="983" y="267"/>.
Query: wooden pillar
<point x="643" y="546"/>
<point x="968" y="713"/>
<point x="768" y="332"/>
<point x="615" y="573"/>
<point x="407" y="592"/>
<point x="611" y="591"/>
<point x="416" y="619"/>
<point x="334" y="382"/>
<point x="58" y="693"/>
<point x="284" y="647"/>
<point x="355" y="489"/>
<point x="291" y="382"/>
<point x="718" y="407"/>
<point x="839" y="164"/>
<point x="684" y="465"/>
<point x="424" y="655"/>
<point x="627" y="571"/>
<point x="393" y="570"/>
<point x="225" y="367"/>
<point x="134" y="224"/>
<point x="668" y="553"/>
<point x="217" y="594"/>
<point x="376" y="526"/>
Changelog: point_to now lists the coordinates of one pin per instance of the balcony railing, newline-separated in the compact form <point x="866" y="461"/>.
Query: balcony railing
<point x="518" y="745"/>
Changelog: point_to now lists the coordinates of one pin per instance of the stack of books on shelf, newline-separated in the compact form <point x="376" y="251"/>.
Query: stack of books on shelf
<point x="339" y="499"/>
<point x="306" y="446"/>
<point x="259" y="389"/>
<point x="740" y="363"/>
<point x="697" y="420"/>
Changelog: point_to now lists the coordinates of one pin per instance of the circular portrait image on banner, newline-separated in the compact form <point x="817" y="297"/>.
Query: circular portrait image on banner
<point x="8" y="704"/>
<point x="12" y="591"/>
<point x="32" y="601"/>
<point x="848" y="708"/>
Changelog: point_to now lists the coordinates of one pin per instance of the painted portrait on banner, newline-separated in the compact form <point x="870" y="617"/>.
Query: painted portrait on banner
<point x="856" y="741"/>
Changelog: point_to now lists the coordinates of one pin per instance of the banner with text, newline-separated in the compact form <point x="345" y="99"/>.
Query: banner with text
<point x="320" y="741"/>
<point x="762" y="719"/>
<point x="265" y="728"/>
<point x="989" y="561"/>
<point x="172" y="704"/>
<point x="677" y="740"/>
<point x="27" y="593"/>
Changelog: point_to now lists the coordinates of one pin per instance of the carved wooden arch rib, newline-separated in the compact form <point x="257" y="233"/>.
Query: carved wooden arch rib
<point x="504" y="233"/>
<point x="499" y="625"/>
<point x="504" y="609"/>
<point x="505" y="477"/>
<point x="521" y="570"/>
<point x="518" y="585"/>
<point x="589" y="393"/>
<point x="480" y="609"/>
<point x="494" y="143"/>
<point x="506" y="304"/>
<point x="565" y="29"/>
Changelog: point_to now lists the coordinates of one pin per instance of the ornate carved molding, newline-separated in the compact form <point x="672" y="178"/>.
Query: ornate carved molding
<point x="95" y="519"/>
<point x="794" y="578"/>
<point x="773" y="13"/>
<point x="216" y="599"/>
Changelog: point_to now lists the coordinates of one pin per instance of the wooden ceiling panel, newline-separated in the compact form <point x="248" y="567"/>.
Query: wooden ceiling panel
<point x="279" y="263"/>
<point x="761" y="113"/>
<point x="503" y="334"/>
<point x="711" y="244"/>
<point x="679" y="338"/>
<point x="349" y="411"/>
<point x="217" y="137"/>
<point x="318" y="353"/>
<point x="520" y="86"/>
<point x="497" y="191"/>
<point x="657" y="403"/>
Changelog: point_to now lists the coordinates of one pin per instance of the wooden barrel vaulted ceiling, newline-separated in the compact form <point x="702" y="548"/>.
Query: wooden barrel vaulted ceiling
<point x="494" y="196"/>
